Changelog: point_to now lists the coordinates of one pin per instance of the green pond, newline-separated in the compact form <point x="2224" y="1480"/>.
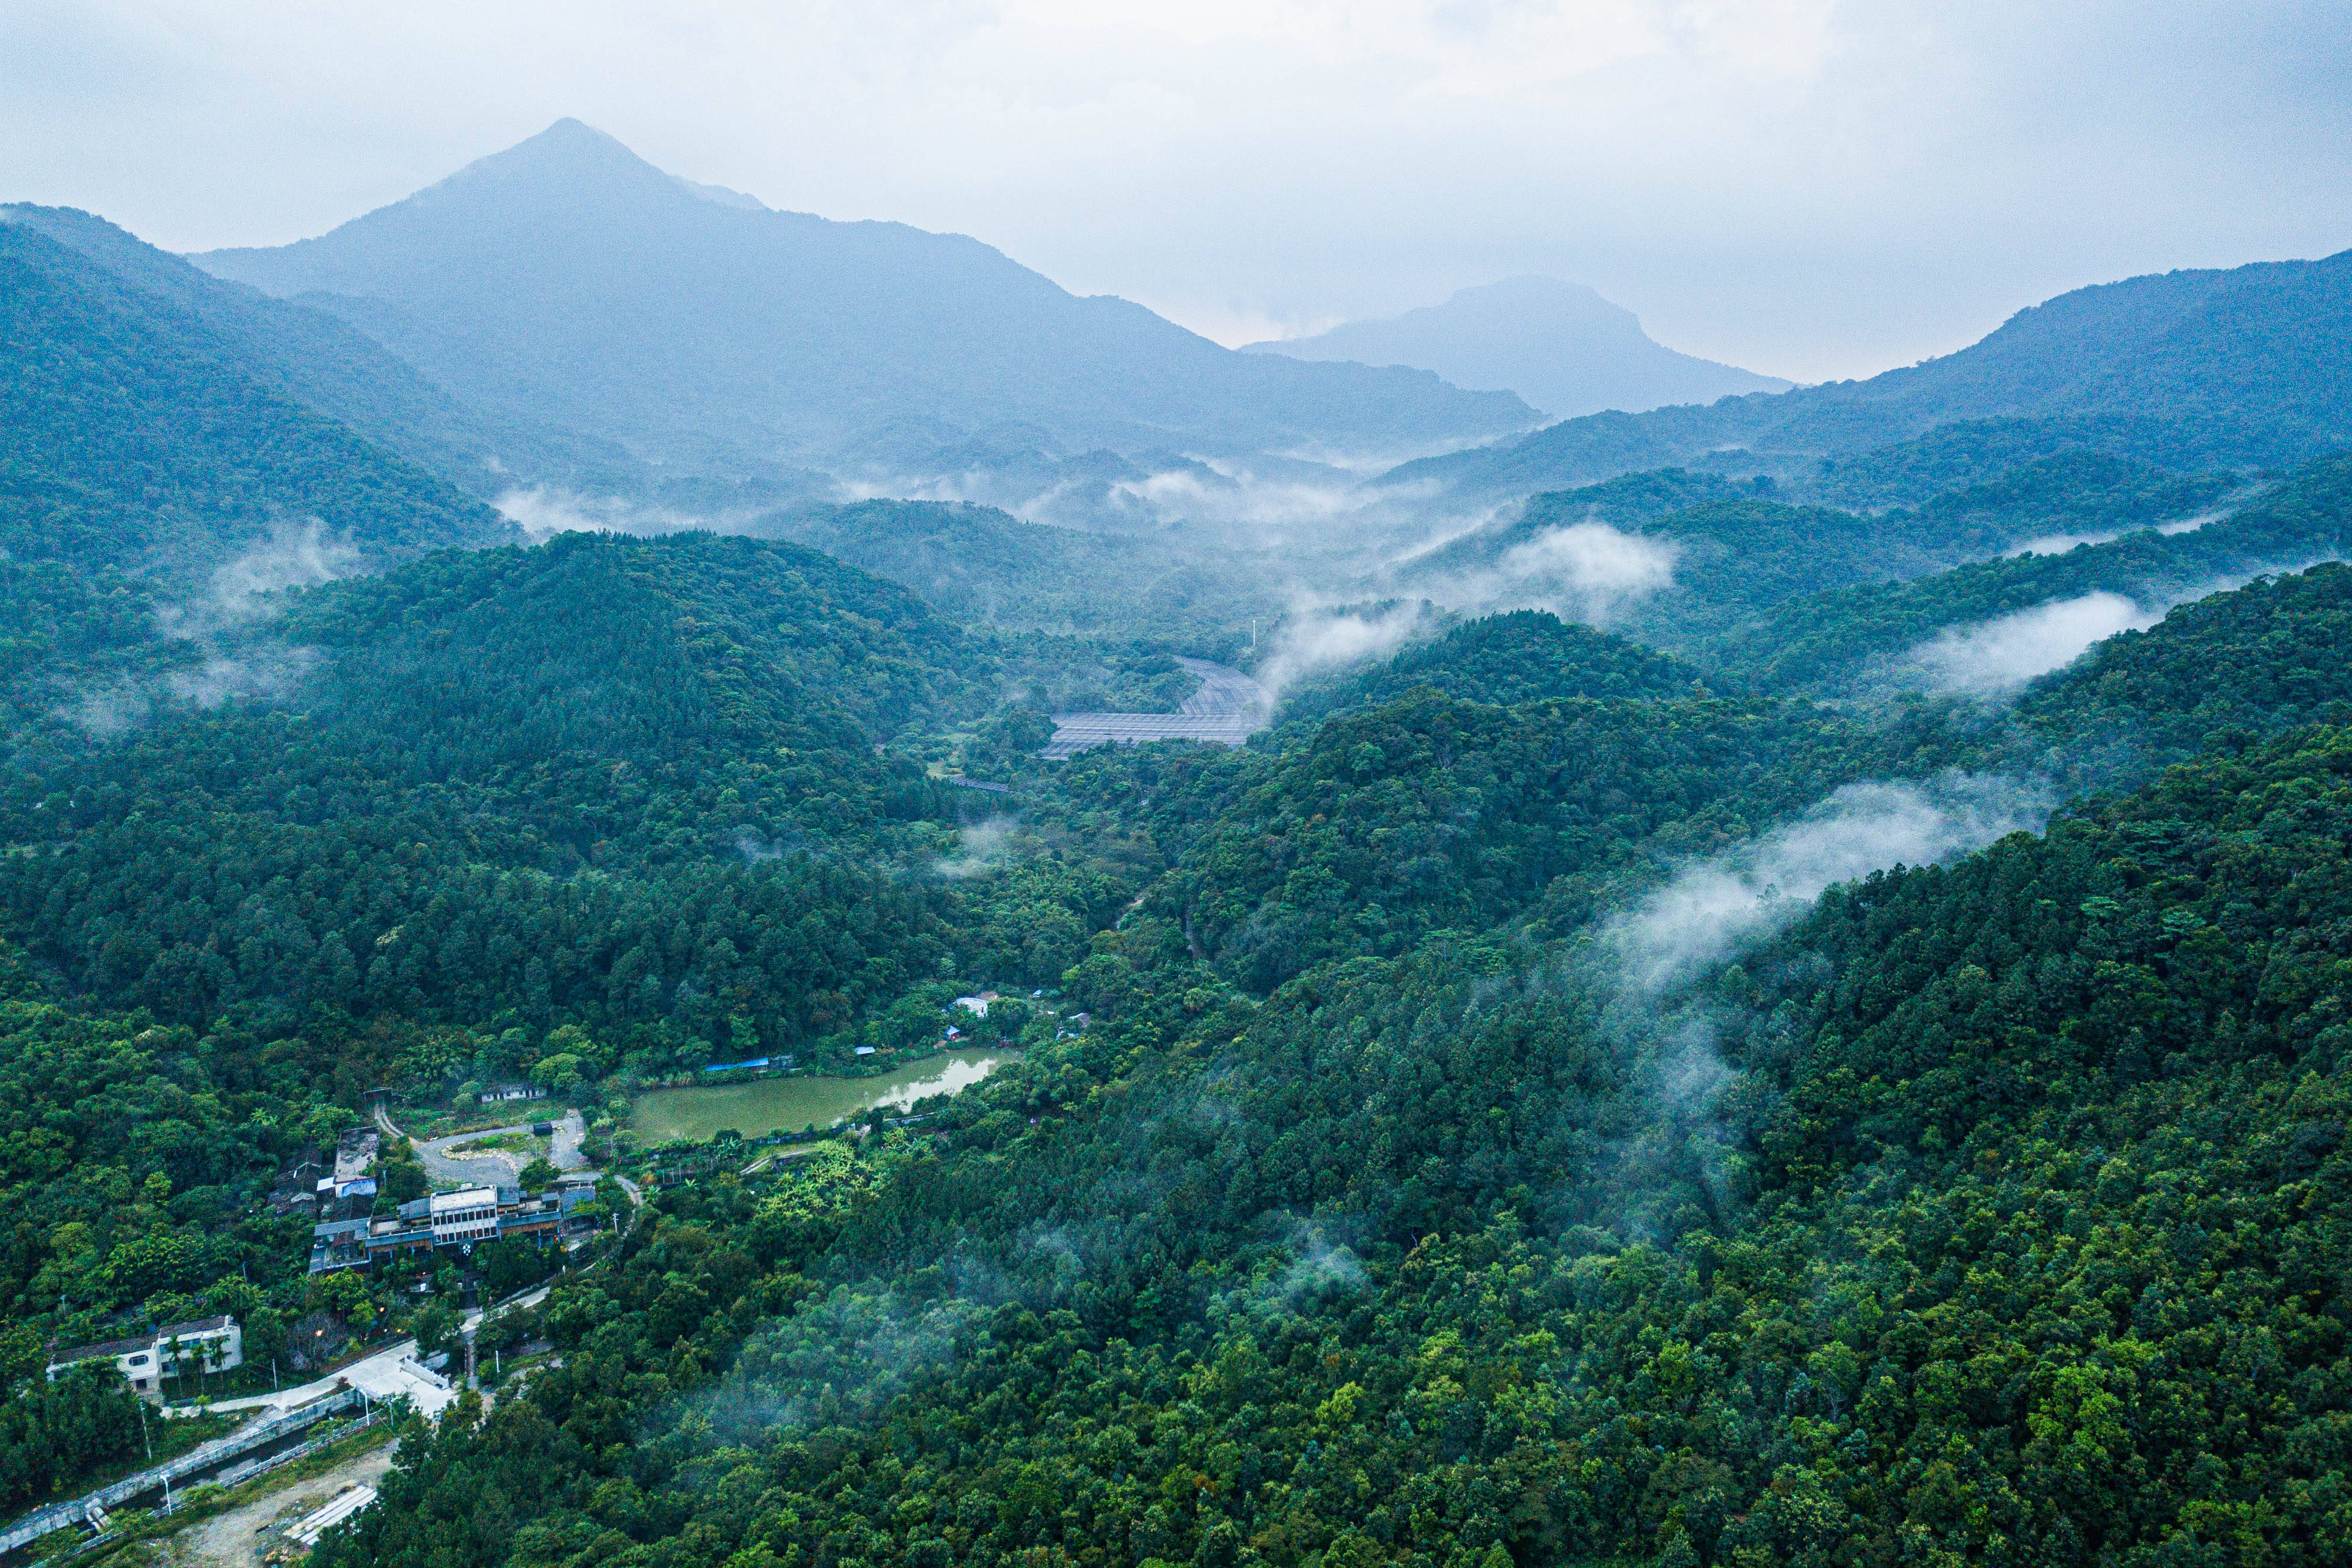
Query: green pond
<point x="788" y="1104"/>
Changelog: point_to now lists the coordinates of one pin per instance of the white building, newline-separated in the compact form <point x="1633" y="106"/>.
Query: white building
<point x="207" y="1344"/>
<point x="469" y="1214"/>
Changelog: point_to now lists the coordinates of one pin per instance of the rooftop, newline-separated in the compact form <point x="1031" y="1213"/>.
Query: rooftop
<point x="105" y="1347"/>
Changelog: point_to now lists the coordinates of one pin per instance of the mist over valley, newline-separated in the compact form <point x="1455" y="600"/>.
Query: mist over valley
<point x="793" y="898"/>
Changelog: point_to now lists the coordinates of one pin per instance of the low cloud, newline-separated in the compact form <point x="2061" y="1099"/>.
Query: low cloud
<point x="542" y="513"/>
<point x="980" y="849"/>
<point x="2059" y="544"/>
<point x="1316" y="639"/>
<point x="1270" y="509"/>
<point x="255" y="674"/>
<point x="1710" y="909"/>
<point x="240" y="662"/>
<point x="241" y="591"/>
<point x="110" y="711"/>
<point x="1322" y="1267"/>
<point x="1585" y="572"/>
<point x="1997" y="656"/>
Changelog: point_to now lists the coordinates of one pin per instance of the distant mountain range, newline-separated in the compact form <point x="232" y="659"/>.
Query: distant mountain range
<point x="567" y="283"/>
<point x="1560" y="346"/>
<point x="2245" y="367"/>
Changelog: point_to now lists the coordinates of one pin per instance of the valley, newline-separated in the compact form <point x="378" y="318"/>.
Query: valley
<point x="1017" y="938"/>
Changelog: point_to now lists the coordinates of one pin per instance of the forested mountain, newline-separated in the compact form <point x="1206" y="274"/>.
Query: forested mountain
<point x="978" y="564"/>
<point x="566" y="281"/>
<point x="1760" y="591"/>
<point x="323" y="362"/>
<point x="585" y="741"/>
<point x="1505" y="660"/>
<point x="1824" y="640"/>
<point x="1560" y="346"/>
<point x="2215" y="369"/>
<point x="1825" y="1046"/>
<point x="136" y="439"/>
<point x="1984" y="1209"/>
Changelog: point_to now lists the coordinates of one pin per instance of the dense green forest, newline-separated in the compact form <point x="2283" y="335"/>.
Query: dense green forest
<point x="1724" y="1086"/>
<point x="1753" y="551"/>
<point x="1504" y="660"/>
<point x="1823" y="642"/>
<point x="640" y="786"/>
<point x="1993" y="1211"/>
<point x="317" y="360"/>
<point x="135" y="439"/>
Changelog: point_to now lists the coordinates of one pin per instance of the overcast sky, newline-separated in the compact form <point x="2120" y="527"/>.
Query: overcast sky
<point x="1803" y="187"/>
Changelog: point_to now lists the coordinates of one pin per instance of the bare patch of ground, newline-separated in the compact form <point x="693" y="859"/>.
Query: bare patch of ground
<point x="250" y="1536"/>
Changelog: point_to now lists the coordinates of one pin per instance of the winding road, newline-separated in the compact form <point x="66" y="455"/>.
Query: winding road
<point x="497" y="1167"/>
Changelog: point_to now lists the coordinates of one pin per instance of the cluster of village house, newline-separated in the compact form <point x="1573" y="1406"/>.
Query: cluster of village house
<point x="348" y="1235"/>
<point x="455" y="1220"/>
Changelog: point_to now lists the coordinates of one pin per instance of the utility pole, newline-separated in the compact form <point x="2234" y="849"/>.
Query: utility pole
<point x="142" y="1432"/>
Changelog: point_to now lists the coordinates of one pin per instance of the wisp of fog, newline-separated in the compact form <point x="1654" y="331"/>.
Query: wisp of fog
<point x="1710" y="909"/>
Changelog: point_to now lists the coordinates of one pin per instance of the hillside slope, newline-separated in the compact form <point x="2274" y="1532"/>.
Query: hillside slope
<point x="568" y="281"/>
<point x="603" y="745"/>
<point x="2241" y="366"/>
<point x="131" y="437"/>
<point x="1995" y="1211"/>
<point x="327" y="365"/>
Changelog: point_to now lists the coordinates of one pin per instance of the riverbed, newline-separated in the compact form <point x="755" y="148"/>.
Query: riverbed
<point x="793" y="1104"/>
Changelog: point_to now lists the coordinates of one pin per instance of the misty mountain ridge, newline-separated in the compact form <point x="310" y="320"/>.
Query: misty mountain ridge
<point x="145" y="436"/>
<point x="321" y="361"/>
<point x="2244" y="367"/>
<point x="567" y="281"/>
<point x="1560" y="346"/>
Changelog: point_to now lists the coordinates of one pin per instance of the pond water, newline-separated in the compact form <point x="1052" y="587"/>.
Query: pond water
<point x="788" y="1104"/>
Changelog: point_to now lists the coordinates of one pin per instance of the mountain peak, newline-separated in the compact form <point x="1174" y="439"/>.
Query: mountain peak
<point x="1559" y="345"/>
<point x="568" y="282"/>
<point x="567" y="161"/>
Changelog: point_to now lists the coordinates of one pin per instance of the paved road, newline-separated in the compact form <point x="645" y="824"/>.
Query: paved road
<point x="1228" y="708"/>
<point x="390" y="1371"/>
<point x="500" y="1168"/>
<point x="394" y="1370"/>
<point x="527" y="1299"/>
